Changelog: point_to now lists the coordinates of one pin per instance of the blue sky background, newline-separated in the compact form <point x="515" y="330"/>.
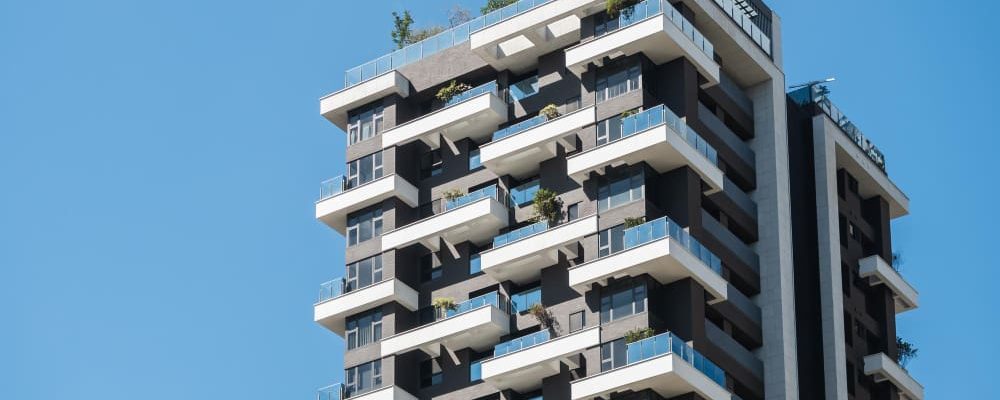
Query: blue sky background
<point x="159" y="161"/>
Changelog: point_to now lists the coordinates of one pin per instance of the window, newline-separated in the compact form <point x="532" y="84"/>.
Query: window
<point x="364" y="273"/>
<point x="430" y="373"/>
<point x="474" y="159"/>
<point x="577" y="321"/>
<point x="524" y="194"/>
<point x="852" y="184"/>
<point x="613" y="355"/>
<point x="364" y="124"/>
<point x="623" y="190"/>
<point x="611" y="129"/>
<point x="523" y="301"/>
<point x="364" y="226"/>
<point x="524" y="89"/>
<point x="431" y="164"/>
<point x="475" y="265"/>
<point x="364" y="329"/>
<point x="572" y="104"/>
<point x="610" y="241"/>
<point x="363" y="378"/>
<point x="573" y="212"/>
<point x="364" y="170"/>
<point x="624" y="301"/>
<point x="429" y="271"/>
<point x="619" y="83"/>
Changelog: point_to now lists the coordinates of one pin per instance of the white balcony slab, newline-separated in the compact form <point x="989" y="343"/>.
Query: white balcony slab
<point x="523" y="370"/>
<point x="333" y="211"/>
<point x="521" y="261"/>
<point x="656" y="37"/>
<point x="882" y="368"/>
<point x="521" y="154"/>
<point x="386" y="393"/>
<point x="668" y="375"/>
<point x="332" y="313"/>
<point x="476" y="222"/>
<point x="478" y="329"/>
<point x="665" y="260"/>
<point x="878" y="271"/>
<point x="516" y="43"/>
<point x="475" y="118"/>
<point x="335" y="106"/>
<point x="872" y="181"/>
<point x="660" y="147"/>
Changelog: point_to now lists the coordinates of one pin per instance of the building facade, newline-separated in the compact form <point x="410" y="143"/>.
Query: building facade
<point x="550" y="201"/>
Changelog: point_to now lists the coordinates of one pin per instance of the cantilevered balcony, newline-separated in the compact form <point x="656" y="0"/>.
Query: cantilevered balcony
<point x="338" y="300"/>
<point x="882" y="368"/>
<point x="520" y="255"/>
<point x="519" y="149"/>
<point x="663" y="363"/>
<point x="337" y="200"/>
<point x="654" y="28"/>
<point x="530" y="29"/>
<point x="475" y="217"/>
<point x="657" y="137"/>
<point x="660" y="248"/>
<point x="520" y="364"/>
<point x="476" y="323"/>
<point x="878" y="271"/>
<point x="341" y="392"/>
<point x="336" y="105"/>
<point x="474" y="113"/>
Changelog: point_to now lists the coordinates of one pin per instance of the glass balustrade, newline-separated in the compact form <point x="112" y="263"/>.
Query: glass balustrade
<point x="519" y="127"/>
<point x="650" y="8"/>
<point x="489" y="191"/>
<point x="331" y="289"/>
<point x="332" y="187"/>
<point x="666" y="228"/>
<point x="520" y="233"/>
<point x="332" y="392"/>
<point x="521" y="343"/>
<point x="659" y="115"/>
<point x="667" y="343"/>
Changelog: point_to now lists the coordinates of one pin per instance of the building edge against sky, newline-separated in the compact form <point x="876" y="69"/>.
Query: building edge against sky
<point x="664" y="268"/>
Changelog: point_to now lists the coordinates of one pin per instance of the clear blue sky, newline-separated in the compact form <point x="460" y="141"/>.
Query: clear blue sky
<point x="159" y="161"/>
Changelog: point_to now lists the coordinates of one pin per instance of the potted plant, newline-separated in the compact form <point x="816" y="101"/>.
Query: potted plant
<point x="631" y="222"/>
<point x="538" y="311"/>
<point x="444" y="304"/>
<point x="452" y="194"/>
<point x="907" y="351"/>
<point x="452" y="89"/>
<point x="547" y="205"/>
<point x="549" y="112"/>
<point x="620" y="7"/>
<point x="629" y="113"/>
<point x="638" y="334"/>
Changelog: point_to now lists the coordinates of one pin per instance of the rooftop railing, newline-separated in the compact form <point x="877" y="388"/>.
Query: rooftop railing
<point x="521" y="343"/>
<point x="666" y="228"/>
<point x="667" y="343"/>
<point x="650" y="8"/>
<point x="745" y="22"/>
<point x="818" y="95"/>
<point x="660" y="115"/>
<point x="434" y="44"/>
<point x="521" y="233"/>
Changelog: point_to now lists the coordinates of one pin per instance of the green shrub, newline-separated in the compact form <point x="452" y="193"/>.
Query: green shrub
<point x="451" y="90"/>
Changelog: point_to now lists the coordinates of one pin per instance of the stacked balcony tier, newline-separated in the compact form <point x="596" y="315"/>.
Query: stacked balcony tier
<point x="520" y="255"/>
<point x="477" y="323"/>
<point x="337" y="201"/>
<point x="473" y="114"/>
<point x="518" y="150"/>
<point x="521" y="364"/>
<point x="475" y="217"/>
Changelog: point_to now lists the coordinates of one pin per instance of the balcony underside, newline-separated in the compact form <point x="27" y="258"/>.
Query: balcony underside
<point x="476" y="222"/>
<point x="478" y="329"/>
<point x="657" y="37"/>
<point x="522" y="261"/>
<point x="664" y="259"/>
<point x="668" y="375"/>
<point x="882" y="368"/>
<point x="521" y="154"/>
<point x="475" y="118"/>
<point x="334" y="107"/>
<point x="334" y="210"/>
<point x="332" y="313"/>
<point x="524" y="370"/>
<point x="660" y="147"/>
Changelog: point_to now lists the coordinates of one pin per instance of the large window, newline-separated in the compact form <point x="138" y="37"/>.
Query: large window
<point x="613" y="193"/>
<point x="364" y="273"/>
<point x="623" y="301"/>
<point x="522" y="302"/>
<point x="364" y="329"/>
<point x="364" y="170"/>
<point x="364" y="226"/>
<point x="364" y="124"/>
<point x="610" y="241"/>
<point x="431" y="164"/>
<point x="613" y="355"/>
<point x="363" y="378"/>
<point x="619" y="83"/>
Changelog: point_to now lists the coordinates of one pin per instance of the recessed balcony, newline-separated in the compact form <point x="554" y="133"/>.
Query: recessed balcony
<point x="663" y="363"/>
<point x="662" y="249"/>
<point x="520" y="255"/>
<point x="518" y="150"/>
<point x="660" y="139"/>
<point x="474" y="114"/>
<point x="476" y="323"/>
<point x="530" y="29"/>
<point x="337" y="300"/>
<point x="334" y="106"/>
<point x="520" y="364"/>
<point x="654" y="28"/>
<point x="878" y="271"/>
<point x="338" y="392"/>
<point x="475" y="217"/>
<point x="882" y="368"/>
<point x="337" y="200"/>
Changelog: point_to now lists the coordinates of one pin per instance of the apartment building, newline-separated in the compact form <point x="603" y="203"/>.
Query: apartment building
<point x="551" y="201"/>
